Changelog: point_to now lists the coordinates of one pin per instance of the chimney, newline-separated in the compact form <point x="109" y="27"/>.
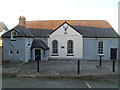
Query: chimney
<point x="22" y="21"/>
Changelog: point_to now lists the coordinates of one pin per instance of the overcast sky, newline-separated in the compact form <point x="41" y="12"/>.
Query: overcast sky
<point x="59" y="10"/>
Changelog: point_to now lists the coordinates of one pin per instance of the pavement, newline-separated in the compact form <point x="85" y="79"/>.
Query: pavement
<point x="56" y="83"/>
<point x="60" y="69"/>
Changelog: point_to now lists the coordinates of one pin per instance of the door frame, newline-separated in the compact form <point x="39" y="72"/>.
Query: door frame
<point x="116" y="52"/>
<point x="39" y="54"/>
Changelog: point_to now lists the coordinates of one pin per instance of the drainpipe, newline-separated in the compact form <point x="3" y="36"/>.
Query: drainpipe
<point x="13" y="49"/>
<point x="118" y="49"/>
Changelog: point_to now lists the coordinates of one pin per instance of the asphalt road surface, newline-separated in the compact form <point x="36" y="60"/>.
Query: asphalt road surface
<point x="54" y="83"/>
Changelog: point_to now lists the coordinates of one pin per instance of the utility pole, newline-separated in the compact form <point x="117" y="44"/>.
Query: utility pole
<point x="37" y="65"/>
<point x="78" y="70"/>
<point x="113" y="65"/>
<point x="100" y="62"/>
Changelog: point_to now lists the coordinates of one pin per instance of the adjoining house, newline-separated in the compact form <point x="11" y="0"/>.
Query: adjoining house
<point x="60" y="39"/>
<point x="3" y="29"/>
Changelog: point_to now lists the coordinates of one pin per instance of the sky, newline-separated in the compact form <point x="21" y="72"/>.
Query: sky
<point x="11" y="10"/>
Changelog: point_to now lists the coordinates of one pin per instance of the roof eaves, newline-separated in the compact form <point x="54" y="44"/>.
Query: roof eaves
<point x="98" y="37"/>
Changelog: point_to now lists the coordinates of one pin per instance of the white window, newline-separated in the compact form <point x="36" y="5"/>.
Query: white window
<point x="10" y="52"/>
<point x="70" y="47"/>
<point x="55" y="47"/>
<point x="13" y="35"/>
<point x="100" y="48"/>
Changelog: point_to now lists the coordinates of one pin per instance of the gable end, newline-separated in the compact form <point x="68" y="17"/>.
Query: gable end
<point x="62" y="25"/>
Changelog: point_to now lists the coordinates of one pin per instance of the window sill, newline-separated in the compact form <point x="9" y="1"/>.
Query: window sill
<point x="100" y="54"/>
<point x="70" y="55"/>
<point x="54" y="55"/>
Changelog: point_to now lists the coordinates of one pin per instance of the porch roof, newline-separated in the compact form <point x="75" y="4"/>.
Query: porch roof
<point x="38" y="43"/>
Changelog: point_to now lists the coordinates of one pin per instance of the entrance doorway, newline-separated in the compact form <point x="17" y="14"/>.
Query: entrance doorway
<point x="113" y="53"/>
<point x="37" y="54"/>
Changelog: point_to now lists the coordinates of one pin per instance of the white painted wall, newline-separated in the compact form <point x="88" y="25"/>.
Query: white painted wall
<point x="62" y="41"/>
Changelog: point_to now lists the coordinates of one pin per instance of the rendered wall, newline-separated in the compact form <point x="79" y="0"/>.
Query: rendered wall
<point x="62" y="41"/>
<point x="90" y="48"/>
<point x="21" y="45"/>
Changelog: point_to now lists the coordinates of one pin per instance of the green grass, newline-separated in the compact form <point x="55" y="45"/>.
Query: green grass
<point x="85" y="79"/>
<point x="56" y="77"/>
<point x="7" y="63"/>
<point x="9" y="75"/>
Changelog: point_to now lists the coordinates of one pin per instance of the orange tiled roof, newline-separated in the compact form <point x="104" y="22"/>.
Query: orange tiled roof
<point x="53" y="24"/>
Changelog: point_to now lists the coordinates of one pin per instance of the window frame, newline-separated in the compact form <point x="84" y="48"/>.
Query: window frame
<point x="10" y="52"/>
<point x="54" y="48"/>
<point x="100" y="48"/>
<point x="13" y="35"/>
<point x="71" y="49"/>
<point x="17" y="53"/>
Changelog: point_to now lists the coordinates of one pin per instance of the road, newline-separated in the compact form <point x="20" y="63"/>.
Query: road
<point x="54" y="83"/>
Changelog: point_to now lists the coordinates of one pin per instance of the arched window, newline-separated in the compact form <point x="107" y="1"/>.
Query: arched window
<point x="55" y="47"/>
<point x="70" y="47"/>
<point x="100" y="47"/>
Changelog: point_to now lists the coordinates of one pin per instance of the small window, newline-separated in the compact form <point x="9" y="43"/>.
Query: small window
<point x="55" y="47"/>
<point x="13" y="35"/>
<point x="10" y="52"/>
<point x="17" y="52"/>
<point x="70" y="47"/>
<point x="100" y="48"/>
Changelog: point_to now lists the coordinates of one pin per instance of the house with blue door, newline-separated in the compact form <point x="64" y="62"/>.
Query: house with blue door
<point x="60" y="39"/>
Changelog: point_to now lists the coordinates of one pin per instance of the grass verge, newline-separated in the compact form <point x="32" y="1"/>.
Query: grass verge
<point x="86" y="79"/>
<point x="9" y="75"/>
